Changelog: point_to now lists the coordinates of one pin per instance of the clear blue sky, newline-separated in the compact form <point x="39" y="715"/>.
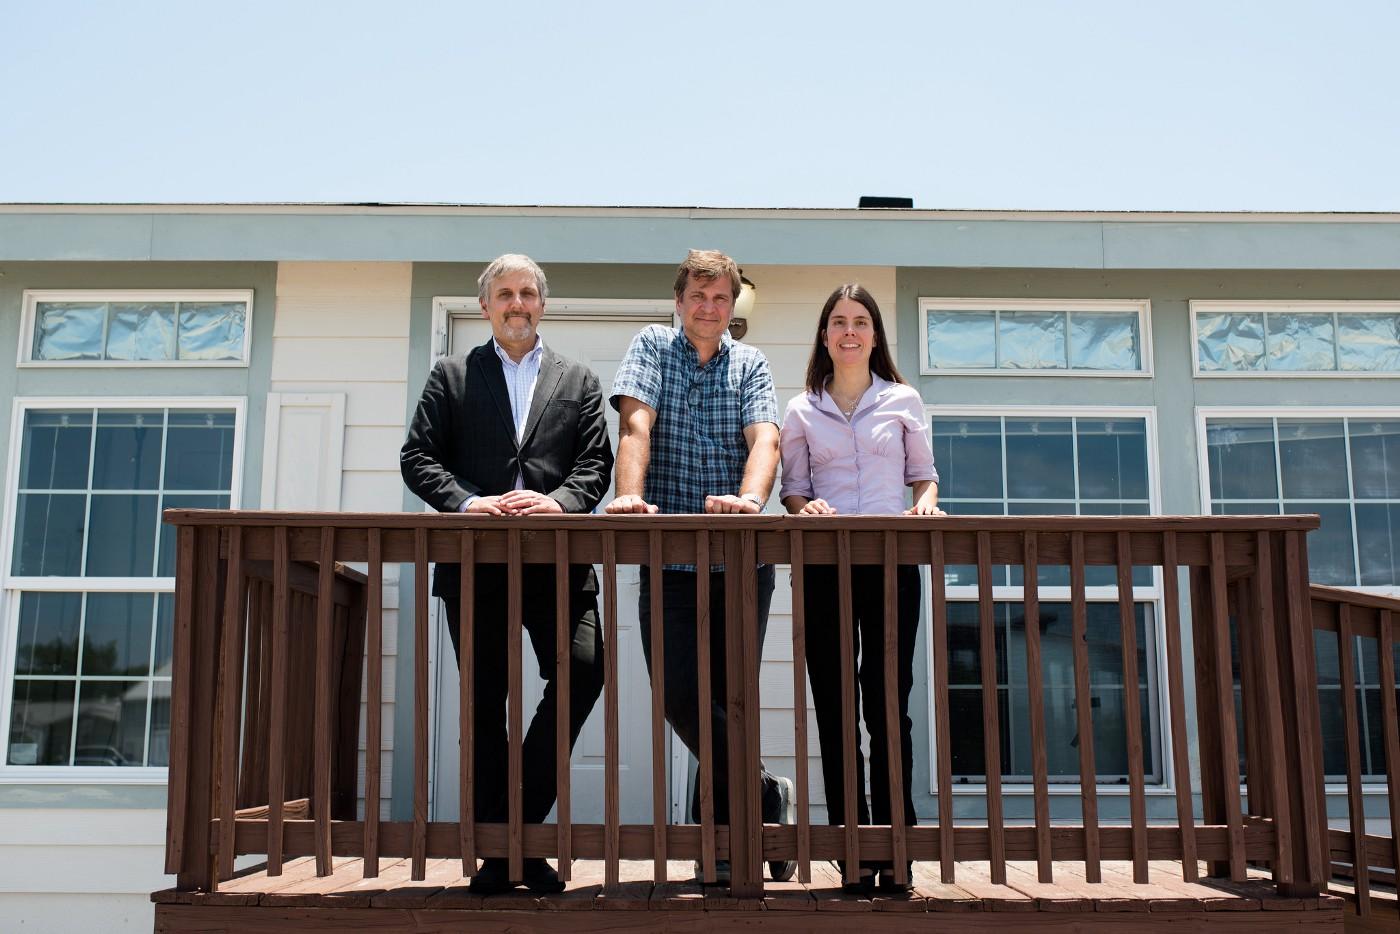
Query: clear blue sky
<point x="1038" y="104"/>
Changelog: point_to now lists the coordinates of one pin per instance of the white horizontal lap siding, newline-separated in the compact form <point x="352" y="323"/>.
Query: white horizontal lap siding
<point x="342" y="329"/>
<point x="789" y="302"/>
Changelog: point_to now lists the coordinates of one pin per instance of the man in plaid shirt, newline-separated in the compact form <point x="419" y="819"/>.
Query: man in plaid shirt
<point x="698" y="432"/>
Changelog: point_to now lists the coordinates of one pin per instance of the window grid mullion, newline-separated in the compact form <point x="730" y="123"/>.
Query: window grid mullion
<point x="87" y="496"/>
<point x="78" y="680"/>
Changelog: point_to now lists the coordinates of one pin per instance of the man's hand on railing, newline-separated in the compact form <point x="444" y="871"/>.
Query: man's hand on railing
<point x="528" y="503"/>
<point x="730" y="504"/>
<point x="629" y="503"/>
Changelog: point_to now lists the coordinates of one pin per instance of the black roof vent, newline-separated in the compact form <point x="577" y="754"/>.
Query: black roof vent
<point x="881" y="201"/>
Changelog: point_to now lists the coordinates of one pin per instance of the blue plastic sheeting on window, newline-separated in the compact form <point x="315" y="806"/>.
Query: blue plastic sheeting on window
<point x="1369" y="342"/>
<point x="1104" y="341"/>
<point x="961" y="340"/>
<point x="48" y="633"/>
<point x="41" y="722"/>
<point x="1375" y="458"/>
<point x="1230" y="341"/>
<point x="141" y="332"/>
<point x="1313" y="458"/>
<point x="1032" y="340"/>
<point x="1240" y="454"/>
<point x="117" y="634"/>
<point x="1300" y="341"/>
<point x="55" y="450"/>
<point x="111" y="723"/>
<point x="212" y="330"/>
<point x="69" y="330"/>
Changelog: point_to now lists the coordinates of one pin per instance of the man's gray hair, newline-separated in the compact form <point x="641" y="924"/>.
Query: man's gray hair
<point x="508" y="263"/>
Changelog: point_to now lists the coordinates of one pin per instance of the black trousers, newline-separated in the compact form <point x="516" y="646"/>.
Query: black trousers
<point x="823" y="629"/>
<point x="491" y="683"/>
<point x="683" y="674"/>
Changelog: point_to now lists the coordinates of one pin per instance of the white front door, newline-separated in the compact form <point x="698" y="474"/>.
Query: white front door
<point x="600" y="345"/>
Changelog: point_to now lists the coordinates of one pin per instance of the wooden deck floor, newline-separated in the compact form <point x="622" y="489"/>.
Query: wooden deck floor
<point x="346" y="900"/>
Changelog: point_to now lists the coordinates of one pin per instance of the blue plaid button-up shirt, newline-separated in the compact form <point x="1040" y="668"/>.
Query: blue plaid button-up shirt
<point x="697" y="441"/>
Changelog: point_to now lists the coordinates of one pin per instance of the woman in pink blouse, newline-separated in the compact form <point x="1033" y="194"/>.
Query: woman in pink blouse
<point x="851" y="444"/>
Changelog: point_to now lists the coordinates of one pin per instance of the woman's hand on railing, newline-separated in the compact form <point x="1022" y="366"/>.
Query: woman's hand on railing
<point x="924" y="509"/>
<point x="817" y="507"/>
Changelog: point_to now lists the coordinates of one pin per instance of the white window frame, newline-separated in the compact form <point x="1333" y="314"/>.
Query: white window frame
<point x="642" y="310"/>
<point x="1143" y="308"/>
<point x="14" y="584"/>
<point x="29" y="321"/>
<point x="1203" y="412"/>
<point x="1151" y="594"/>
<point x="1255" y="306"/>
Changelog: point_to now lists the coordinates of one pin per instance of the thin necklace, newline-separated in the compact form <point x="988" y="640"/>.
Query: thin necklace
<point x="848" y="410"/>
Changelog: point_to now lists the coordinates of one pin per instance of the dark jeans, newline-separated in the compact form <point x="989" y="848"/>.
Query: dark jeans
<point x="823" y="628"/>
<point x="683" y="674"/>
<point x="492" y="682"/>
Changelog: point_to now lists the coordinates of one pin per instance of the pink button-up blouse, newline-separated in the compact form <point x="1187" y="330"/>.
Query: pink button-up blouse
<point x="861" y="466"/>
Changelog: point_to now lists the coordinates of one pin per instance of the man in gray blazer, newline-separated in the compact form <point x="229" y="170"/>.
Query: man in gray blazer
<point x="512" y="428"/>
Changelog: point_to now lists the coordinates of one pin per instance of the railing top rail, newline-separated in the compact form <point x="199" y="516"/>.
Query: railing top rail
<point x="1328" y="594"/>
<point x="764" y="523"/>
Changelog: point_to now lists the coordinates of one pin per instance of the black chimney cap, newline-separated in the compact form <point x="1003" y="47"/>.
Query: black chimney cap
<point x="881" y="201"/>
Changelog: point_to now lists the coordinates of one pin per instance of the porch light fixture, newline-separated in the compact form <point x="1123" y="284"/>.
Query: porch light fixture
<point x="743" y="307"/>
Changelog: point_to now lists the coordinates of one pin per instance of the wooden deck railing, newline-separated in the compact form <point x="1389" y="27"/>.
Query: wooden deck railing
<point x="1348" y="615"/>
<point x="274" y="670"/>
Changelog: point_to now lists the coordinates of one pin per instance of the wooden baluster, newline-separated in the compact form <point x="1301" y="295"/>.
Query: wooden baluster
<point x="1306" y="726"/>
<point x="1083" y="705"/>
<point x="938" y="614"/>
<point x="1127" y="623"/>
<point x="1390" y="726"/>
<point x="1251" y="722"/>
<point x="1267" y="628"/>
<point x="277" y="717"/>
<point x="255" y="707"/>
<point x="850" y="741"/>
<point x="1219" y="629"/>
<point x="611" y="807"/>
<point x="748" y="876"/>
<point x="893" y="721"/>
<point x="418" y="868"/>
<point x="991" y="716"/>
<point x="515" y="768"/>
<point x="466" y="703"/>
<point x="230" y="698"/>
<point x="1356" y="808"/>
<point x="374" y="691"/>
<point x="702" y="655"/>
<point x="799" y="705"/>
<point x="1035" y="686"/>
<point x="1176" y="705"/>
<point x="563" y="655"/>
<point x="324" y="609"/>
<point x="659" y="798"/>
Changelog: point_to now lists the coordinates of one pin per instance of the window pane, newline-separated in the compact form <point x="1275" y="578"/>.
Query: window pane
<point x="165" y="565"/>
<point x="1368" y="342"/>
<point x="117" y="634"/>
<point x="1314" y="458"/>
<point x="127" y="453"/>
<point x="211" y="330"/>
<point x="55" y="450"/>
<point x="968" y="454"/>
<point x="122" y="542"/>
<point x="1330" y="558"/>
<point x="111" y="723"/>
<point x="199" y="451"/>
<point x="1230" y="341"/>
<point x="1300" y="341"/>
<point x="41" y="722"/>
<point x="1112" y="459"/>
<point x="49" y="534"/>
<point x="69" y="330"/>
<point x="1264" y="508"/>
<point x="961" y="340"/>
<point x="1033" y="340"/>
<point x="1378" y="543"/>
<point x="165" y="618"/>
<point x="48" y="633"/>
<point x="1040" y="454"/>
<point x="158" y="748"/>
<point x="1241" y="457"/>
<point x="1375" y="458"/>
<point x="141" y="332"/>
<point x="1104" y="341"/>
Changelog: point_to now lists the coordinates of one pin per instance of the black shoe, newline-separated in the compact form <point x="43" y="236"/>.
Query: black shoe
<point x="864" y="886"/>
<point x="722" y="872"/>
<point x="781" y="870"/>
<point x="492" y="878"/>
<point x="887" y="885"/>
<point x="541" y="878"/>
